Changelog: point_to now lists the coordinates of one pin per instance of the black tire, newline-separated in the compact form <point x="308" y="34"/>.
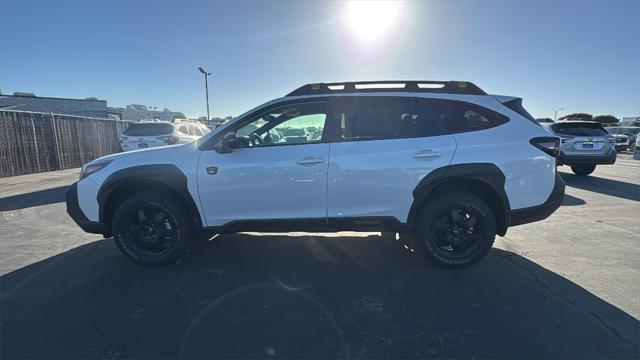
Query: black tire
<point x="455" y="229"/>
<point x="159" y="235"/>
<point x="583" y="170"/>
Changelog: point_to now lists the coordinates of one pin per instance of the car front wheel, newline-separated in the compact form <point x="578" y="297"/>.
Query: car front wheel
<point x="455" y="229"/>
<point x="151" y="229"/>
<point x="583" y="169"/>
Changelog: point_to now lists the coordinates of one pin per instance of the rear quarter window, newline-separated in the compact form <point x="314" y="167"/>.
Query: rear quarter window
<point x="459" y="116"/>
<point x="148" y="129"/>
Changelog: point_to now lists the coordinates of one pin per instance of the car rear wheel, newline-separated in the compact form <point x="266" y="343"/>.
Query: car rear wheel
<point x="151" y="229"/>
<point x="583" y="169"/>
<point x="455" y="229"/>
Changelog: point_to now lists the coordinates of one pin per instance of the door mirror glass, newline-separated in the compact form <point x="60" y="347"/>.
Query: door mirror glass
<point x="227" y="144"/>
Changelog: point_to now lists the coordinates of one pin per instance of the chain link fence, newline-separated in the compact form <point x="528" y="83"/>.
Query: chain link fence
<point x="33" y="142"/>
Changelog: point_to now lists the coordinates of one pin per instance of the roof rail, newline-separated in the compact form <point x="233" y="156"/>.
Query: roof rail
<point x="449" y="87"/>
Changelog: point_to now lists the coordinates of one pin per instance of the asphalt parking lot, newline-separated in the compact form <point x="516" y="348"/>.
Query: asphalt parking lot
<point x="567" y="287"/>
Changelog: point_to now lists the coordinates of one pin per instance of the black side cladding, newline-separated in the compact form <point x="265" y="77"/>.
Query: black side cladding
<point x="486" y="173"/>
<point x="167" y="174"/>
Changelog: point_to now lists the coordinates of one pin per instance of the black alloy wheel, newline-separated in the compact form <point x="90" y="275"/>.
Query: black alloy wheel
<point x="152" y="228"/>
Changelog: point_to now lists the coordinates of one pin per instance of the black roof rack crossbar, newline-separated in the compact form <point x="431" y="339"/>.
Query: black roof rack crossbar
<point x="449" y="87"/>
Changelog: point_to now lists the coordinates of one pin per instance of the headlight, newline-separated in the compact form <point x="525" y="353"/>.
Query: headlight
<point x="92" y="168"/>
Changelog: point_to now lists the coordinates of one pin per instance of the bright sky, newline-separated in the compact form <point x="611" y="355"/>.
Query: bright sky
<point x="581" y="55"/>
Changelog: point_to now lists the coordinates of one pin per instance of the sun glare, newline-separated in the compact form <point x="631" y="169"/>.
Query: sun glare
<point x="371" y="20"/>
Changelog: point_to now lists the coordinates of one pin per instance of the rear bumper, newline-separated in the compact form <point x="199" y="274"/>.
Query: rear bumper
<point x="73" y="209"/>
<point x="543" y="211"/>
<point x="607" y="159"/>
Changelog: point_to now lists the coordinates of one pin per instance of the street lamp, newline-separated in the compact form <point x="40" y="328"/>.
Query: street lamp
<point x="555" y="115"/>
<point x="206" y="89"/>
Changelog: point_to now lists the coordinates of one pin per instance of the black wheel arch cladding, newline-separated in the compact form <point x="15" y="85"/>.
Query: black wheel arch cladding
<point x="486" y="173"/>
<point x="168" y="175"/>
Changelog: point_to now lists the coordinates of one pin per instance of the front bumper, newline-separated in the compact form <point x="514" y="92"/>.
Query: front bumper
<point x="543" y="211"/>
<point x="606" y="159"/>
<point x="73" y="209"/>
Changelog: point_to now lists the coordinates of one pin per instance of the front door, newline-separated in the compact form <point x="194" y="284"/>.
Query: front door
<point x="278" y="170"/>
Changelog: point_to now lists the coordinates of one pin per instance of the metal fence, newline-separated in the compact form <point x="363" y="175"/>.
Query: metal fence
<point x="33" y="142"/>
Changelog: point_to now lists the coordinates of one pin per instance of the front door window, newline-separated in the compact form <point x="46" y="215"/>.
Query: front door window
<point x="301" y="123"/>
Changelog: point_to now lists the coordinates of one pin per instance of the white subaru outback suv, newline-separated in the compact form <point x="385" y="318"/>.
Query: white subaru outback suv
<point x="442" y="161"/>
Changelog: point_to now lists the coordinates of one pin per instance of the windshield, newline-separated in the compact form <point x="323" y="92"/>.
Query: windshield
<point x="148" y="129"/>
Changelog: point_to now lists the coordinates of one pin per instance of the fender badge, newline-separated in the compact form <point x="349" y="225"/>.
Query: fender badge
<point x="212" y="170"/>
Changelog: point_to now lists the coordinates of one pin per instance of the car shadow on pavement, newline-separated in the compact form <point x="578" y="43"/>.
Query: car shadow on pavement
<point x="274" y="296"/>
<point x="35" y="198"/>
<point x="604" y="186"/>
<point x="572" y="201"/>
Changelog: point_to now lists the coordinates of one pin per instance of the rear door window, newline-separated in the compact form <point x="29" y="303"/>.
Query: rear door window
<point x="184" y="129"/>
<point x="579" y="129"/>
<point x="148" y="129"/>
<point x="378" y="118"/>
<point x="459" y="116"/>
<point x="195" y="130"/>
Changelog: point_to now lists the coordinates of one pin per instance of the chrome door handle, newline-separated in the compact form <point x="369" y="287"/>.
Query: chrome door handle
<point x="310" y="160"/>
<point x="426" y="154"/>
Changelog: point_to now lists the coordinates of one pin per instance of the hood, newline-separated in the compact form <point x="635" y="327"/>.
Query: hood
<point x="141" y="153"/>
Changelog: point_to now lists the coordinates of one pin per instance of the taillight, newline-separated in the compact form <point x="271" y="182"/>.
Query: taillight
<point x="611" y="139"/>
<point x="169" y="140"/>
<point x="548" y="144"/>
<point x="122" y="139"/>
<point x="564" y="139"/>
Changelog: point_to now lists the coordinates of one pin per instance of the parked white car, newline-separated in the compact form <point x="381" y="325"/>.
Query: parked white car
<point x="622" y="142"/>
<point x="442" y="161"/>
<point x="148" y="134"/>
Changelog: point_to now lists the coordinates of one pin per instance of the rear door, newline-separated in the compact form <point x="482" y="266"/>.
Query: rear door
<point x="384" y="146"/>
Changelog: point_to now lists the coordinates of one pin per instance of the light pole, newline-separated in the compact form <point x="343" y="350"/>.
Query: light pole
<point x="555" y="115"/>
<point x="206" y="89"/>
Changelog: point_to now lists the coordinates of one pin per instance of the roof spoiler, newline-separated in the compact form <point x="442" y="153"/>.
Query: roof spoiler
<point x="515" y="103"/>
<point x="505" y="98"/>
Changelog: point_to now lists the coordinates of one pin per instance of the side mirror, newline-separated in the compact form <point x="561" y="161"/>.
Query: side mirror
<point x="227" y="144"/>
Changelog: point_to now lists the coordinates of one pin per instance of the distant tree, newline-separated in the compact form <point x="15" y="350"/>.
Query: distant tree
<point x="606" y="119"/>
<point x="577" y="116"/>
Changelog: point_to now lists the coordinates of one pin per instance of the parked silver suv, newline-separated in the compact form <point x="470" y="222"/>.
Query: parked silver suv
<point x="583" y="145"/>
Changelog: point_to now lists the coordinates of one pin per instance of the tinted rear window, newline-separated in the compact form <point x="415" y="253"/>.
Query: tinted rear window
<point x="148" y="129"/>
<point x="459" y="116"/>
<point x="377" y="118"/>
<point x="578" y="129"/>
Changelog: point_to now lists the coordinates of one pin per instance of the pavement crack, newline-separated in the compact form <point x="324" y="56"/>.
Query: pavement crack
<point x="602" y="322"/>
